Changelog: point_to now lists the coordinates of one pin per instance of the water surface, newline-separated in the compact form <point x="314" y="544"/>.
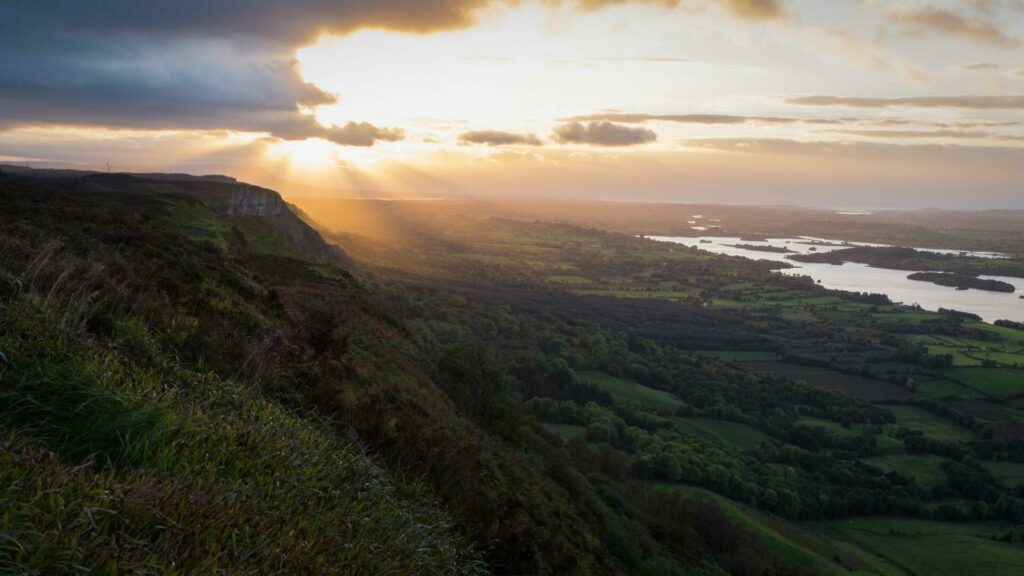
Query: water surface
<point x="991" y="306"/>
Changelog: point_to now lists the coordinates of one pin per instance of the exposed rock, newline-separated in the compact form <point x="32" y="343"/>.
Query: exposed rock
<point x="254" y="201"/>
<point x="248" y="200"/>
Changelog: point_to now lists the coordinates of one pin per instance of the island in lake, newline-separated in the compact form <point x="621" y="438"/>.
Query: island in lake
<point x="962" y="281"/>
<point x="912" y="260"/>
<point x="759" y="248"/>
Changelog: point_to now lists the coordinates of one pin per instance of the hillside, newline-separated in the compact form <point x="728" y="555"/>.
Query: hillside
<point x="165" y="339"/>
<point x="191" y="378"/>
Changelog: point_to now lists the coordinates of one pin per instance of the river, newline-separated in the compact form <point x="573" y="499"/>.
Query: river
<point x="991" y="306"/>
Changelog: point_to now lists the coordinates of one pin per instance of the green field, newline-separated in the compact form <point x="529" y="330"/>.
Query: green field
<point x="926" y="547"/>
<point x="994" y="381"/>
<point x="924" y="468"/>
<point x="783" y="539"/>
<point x="914" y="418"/>
<point x="722" y="432"/>
<point x="855" y="386"/>
<point x="831" y="425"/>
<point x="1002" y="332"/>
<point x="1009" y="473"/>
<point x="1006" y="351"/>
<point x="877" y="545"/>
<point x="742" y="355"/>
<point x="943" y="388"/>
<point x="631" y="393"/>
<point x="569" y="279"/>
<point x="566" y="431"/>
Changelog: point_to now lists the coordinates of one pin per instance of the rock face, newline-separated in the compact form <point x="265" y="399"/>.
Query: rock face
<point x="247" y="200"/>
<point x="253" y="201"/>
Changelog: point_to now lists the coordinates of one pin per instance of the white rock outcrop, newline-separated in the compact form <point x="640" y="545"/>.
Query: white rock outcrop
<point x="254" y="201"/>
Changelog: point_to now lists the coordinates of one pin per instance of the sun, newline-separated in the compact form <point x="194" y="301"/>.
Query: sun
<point x="305" y="154"/>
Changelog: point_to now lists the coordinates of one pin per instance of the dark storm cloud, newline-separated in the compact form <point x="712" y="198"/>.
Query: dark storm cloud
<point x="185" y="65"/>
<point x="188" y="64"/>
<point x="498" y="138"/>
<point x="205" y="64"/>
<point x="602" y="134"/>
<point x="289" y="22"/>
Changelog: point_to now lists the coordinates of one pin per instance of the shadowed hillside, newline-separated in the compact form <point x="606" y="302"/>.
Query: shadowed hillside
<point x="158" y="309"/>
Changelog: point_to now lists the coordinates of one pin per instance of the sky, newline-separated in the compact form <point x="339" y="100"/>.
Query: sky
<point x="839" y="103"/>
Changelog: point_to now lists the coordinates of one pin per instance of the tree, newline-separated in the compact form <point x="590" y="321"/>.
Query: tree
<point x="475" y="381"/>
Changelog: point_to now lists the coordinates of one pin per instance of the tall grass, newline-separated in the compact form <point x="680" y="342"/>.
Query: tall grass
<point x="117" y="459"/>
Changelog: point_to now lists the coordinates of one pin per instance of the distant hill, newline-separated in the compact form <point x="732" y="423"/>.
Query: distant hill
<point x="13" y="169"/>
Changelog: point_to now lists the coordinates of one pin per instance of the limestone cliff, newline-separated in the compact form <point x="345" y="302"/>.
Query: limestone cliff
<point x="252" y="201"/>
<point x="249" y="200"/>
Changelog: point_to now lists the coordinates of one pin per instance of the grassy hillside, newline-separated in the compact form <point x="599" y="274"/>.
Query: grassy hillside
<point x="170" y="317"/>
<point x="115" y="458"/>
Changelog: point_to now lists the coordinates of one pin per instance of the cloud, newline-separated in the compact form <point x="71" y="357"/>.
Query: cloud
<point x="727" y="119"/>
<point x="361" y="134"/>
<point x="754" y="9"/>
<point x="990" y="6"/>
<point x="1013" y="102"/>
<point x="1019" y="73"/>
<point x="980" y="66"/>
<point x="191" y="65"/>
<point x="288" y="23"/>
<point x="602" y="134"/>
<point x="194" y="85"/>
<point x="498" y="138"/>
<point x="731" y="120"/>
<point x="662" y="59"/>
<point x="201" y="64"/>
<point x="851" y="149"/>
<point x="591" y="5"/>
<point x="913" y="134"/>
<point x="934" y="20"/>
<point x="742" y="9"/>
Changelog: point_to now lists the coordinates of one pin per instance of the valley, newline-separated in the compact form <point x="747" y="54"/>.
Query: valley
<point x="628" y="405"/>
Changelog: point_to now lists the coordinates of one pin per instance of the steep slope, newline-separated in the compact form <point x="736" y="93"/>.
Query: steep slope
<point x="178" y="305"/>
<point x="122" y="451"/>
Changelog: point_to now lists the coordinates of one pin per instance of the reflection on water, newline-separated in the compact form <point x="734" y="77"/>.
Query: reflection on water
<point x="854" y="277"/>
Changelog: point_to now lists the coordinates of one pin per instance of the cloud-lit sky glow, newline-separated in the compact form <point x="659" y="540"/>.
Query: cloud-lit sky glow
<point x="855" y="103"/>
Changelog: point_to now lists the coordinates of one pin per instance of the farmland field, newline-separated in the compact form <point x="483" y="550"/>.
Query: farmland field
<point x="926" y="547"/>
<point x="722" y="432"/>
<point x="924" y="468"/>
<point x="993" y="381"/>
<point x="631" y="393"/>
<point x="855" y="386"/>
<point x="919" y="419"/>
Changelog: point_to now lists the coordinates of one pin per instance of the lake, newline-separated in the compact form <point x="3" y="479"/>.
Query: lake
<point x="991" y="306"/>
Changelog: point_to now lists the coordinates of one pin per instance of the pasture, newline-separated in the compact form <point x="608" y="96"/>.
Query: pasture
<point x="722" y="432"/>
<point x="631" y="393"/>
<point x="932" y="426"/>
